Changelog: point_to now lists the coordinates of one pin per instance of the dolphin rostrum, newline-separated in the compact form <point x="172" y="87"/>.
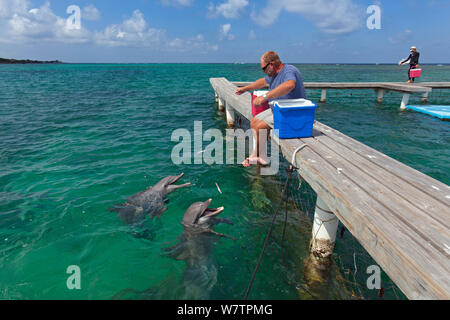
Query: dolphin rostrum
<point x="151" y="201"/>
<point x="195" y="248"/>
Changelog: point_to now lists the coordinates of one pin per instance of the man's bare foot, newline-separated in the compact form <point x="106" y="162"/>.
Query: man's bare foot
<point x="254" y="160"/>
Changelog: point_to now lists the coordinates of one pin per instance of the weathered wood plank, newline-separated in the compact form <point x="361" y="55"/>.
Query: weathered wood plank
<point x="392" y="86"/>
<point x="226" y="91"/>
<point x="436" y="85"/>
<point x="398" y="214"/>
<point x="418" y="276"/>
<point x="434" y="188"/>
<point x="402" y="200"/>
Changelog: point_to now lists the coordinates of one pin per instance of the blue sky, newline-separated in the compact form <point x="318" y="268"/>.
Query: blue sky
<point x="301" y="31"/>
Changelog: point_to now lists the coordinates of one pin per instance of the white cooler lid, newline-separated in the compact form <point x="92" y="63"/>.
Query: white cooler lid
<point x="289" y="103"/>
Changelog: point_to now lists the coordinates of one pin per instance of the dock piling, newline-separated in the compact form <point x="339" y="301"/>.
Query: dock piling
<point x="380" y="95"/>
<point x="231" y="117"/>
<point x="221" y="104"/>
<point x="404" y="102"/>
<point x="323" y="96"/>
<point x="324" y="231"/>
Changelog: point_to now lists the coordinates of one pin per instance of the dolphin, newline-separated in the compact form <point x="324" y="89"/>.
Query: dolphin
<point x="195" y="248"/>
<point x="148" y="202"/>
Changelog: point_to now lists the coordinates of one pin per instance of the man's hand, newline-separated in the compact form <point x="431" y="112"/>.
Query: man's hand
<point x="240" y="91"/>
<point x="259" y="101"/>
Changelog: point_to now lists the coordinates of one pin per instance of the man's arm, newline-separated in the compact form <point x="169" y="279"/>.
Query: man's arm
<point x="258" y="84"/>
<point x="279" y="91"/>
<point x="402" y="62"/>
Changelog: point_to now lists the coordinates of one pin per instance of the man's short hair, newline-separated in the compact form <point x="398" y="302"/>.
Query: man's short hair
<point x="271" y="56"/>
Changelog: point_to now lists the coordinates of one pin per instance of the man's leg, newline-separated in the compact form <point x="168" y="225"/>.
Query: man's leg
<point x="259" y="154"/>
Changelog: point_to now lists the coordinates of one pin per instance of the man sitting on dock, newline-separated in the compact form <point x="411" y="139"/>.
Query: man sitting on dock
<point x="285" y="82"/>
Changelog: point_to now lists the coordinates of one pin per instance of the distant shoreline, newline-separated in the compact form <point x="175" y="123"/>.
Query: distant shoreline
<point x="14" y="61"/>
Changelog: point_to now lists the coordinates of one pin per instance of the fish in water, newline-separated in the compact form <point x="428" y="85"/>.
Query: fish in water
<point x="148" y="202"/>
<point x="195" y="248"/>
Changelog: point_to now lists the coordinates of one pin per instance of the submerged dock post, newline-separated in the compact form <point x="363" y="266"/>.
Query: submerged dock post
<point x="323" y="95"/>
<point x="404" y="101"/>
<point x="324" y="231"/>
<point x="380" y="95"/>
<point x="231" y="117"/>
<point x="221" y="104"/>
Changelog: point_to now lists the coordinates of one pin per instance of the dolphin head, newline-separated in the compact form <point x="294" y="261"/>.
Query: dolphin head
<point x="200" y="215"/>
<point x="167" y="185"/>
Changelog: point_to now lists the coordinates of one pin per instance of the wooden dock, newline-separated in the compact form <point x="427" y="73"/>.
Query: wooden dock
<point x="399" y="215"/>
<point x="380" y="88"/>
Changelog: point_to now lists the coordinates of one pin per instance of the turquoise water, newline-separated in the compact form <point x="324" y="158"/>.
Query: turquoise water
<point x="76" y="139"/>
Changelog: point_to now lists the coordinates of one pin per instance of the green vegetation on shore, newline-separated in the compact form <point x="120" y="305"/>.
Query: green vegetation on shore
<point x="14" y="61"/>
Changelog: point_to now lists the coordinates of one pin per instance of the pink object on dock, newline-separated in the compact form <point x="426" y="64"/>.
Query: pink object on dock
<point x="263" y="107"/>
<point x="415" y="73"/>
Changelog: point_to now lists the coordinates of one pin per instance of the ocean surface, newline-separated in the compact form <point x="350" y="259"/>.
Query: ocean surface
<point x="75" y="139"/>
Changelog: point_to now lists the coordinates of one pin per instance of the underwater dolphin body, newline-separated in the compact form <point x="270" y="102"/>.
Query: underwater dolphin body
<point x="195" y="248"/>
<point x="148" y="202"/>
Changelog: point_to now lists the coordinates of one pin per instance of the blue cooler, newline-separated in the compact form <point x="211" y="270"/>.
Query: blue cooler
<point x="293" y="118"/>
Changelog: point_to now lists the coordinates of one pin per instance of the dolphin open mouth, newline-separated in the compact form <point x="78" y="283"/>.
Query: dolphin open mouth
<point x="211" y="212"/>
<point x="208" y="213"/>
<point x="174" y="180"/>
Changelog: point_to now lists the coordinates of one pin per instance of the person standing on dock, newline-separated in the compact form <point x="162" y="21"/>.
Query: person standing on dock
<point x="413" y="62"/>
<point x="285" y="82"/>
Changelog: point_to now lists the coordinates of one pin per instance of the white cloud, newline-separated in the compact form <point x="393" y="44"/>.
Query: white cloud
<point x="135" y="32"/>
<point x="224" y="32"/>
<point x="231" y="9"/>
<point x="196" y="43"/>
<point x="19" y="24"/>
<point x="9" y="7"/>
<point x="91" y="13"/>
<point x="329" y="16"/>
<point x="131" y="32"/>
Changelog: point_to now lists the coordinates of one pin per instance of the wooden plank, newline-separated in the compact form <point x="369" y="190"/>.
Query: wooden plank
<point x="226" y="91"/>
<point x="436" y="85"/>
<point x="394" y="211"/>
<point x="404" y="87"/>
<point x="432" y="211"/>
<point x="429" y="235"/>
<point x="434" y="188"/>
<point x="392" y="86"/>
<point x="416" y="275"/>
